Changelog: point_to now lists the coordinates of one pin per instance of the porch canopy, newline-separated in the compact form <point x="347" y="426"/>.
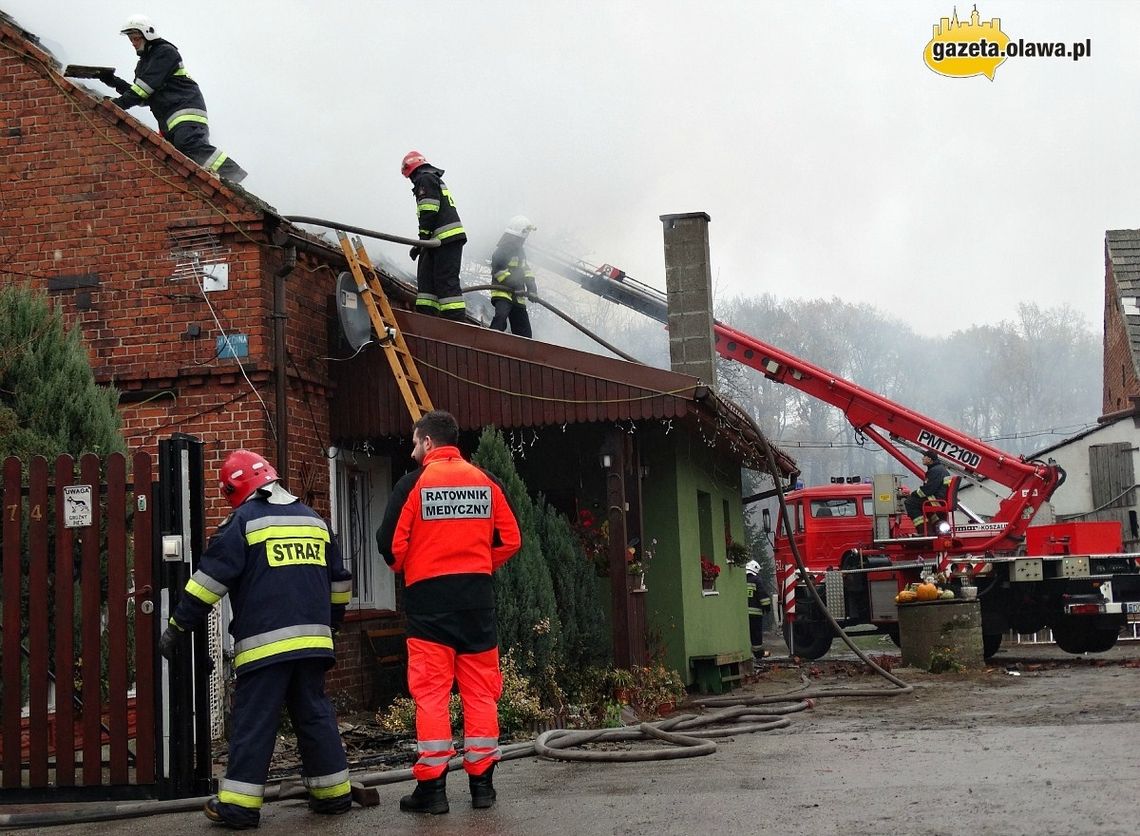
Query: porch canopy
<point x="487" y="377"/>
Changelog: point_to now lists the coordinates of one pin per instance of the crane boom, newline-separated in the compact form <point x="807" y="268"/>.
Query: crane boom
<point x="891" y="425"/>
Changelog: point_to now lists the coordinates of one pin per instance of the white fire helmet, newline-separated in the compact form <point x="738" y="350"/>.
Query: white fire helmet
<point x="141" y="23"/>
<point x="752" y="567"/>
<point x="520" y="226"/>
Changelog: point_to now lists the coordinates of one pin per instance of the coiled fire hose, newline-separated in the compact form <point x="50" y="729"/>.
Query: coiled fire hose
<point x="690" y="735"/>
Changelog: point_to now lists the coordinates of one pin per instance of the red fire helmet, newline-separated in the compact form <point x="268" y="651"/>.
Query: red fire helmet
<point x="243" y="472"/>
<point x="412" y="161"/>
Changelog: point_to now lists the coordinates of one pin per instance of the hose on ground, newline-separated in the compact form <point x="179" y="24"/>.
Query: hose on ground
<point x="689" y="734"/>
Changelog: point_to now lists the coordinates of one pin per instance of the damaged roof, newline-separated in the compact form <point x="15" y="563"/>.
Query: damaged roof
<point x="488" y="377"/>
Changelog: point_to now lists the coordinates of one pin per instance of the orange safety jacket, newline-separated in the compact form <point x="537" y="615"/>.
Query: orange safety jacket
<point x="447" y="527"/>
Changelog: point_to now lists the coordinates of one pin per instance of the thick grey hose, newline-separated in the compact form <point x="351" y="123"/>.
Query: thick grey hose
<point x="428" y="244"/>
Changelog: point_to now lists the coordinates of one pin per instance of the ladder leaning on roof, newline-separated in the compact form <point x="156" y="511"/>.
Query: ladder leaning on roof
<point x="403" y="365"/>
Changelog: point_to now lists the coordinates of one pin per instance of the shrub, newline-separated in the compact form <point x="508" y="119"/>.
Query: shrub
<point x="527" y="617"/>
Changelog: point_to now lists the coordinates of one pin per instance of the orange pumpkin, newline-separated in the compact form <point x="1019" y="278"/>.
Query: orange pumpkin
<point x="906" y="596"/>
<point x="926" y="592"/>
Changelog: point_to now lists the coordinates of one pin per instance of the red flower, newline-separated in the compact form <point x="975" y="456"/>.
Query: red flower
<point x="709" y="570"/>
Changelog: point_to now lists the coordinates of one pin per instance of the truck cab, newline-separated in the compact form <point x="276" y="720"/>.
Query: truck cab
<point x="830" y="526"/>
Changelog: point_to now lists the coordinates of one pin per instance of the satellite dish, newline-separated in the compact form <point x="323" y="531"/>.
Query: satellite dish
<point x="354" y="321"/>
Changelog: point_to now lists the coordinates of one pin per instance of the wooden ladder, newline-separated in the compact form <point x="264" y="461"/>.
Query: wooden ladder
<point x="384" y="324"/>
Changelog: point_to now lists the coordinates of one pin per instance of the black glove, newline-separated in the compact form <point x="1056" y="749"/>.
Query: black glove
<point x="414" y="252"/>
<point x="170" y="639"/>
<point x="106" y="76"/>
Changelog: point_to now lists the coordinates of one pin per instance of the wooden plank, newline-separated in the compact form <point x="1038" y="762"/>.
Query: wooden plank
<point x="13" y="697"/>
<point x="64" y="632"/>
<point x="117" y="615"/>
<point x="90" y="617"/>
<point x="144" y="624"/>
<point x="38" y="518"/>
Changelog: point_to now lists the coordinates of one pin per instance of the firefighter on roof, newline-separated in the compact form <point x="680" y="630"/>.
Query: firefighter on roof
<point x="437" y="279"/>
<point x="447" y="527"/>
<point x="162" y="84"/>
<point x="513" y="278"/>
<point x="288" y="590"/>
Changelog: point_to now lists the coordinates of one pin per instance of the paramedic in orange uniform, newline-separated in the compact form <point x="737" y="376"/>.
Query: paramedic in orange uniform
<point x="447" y="527"/>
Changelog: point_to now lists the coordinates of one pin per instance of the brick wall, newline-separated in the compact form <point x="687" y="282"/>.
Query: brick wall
<point x="96" y="210"/>
<point x="1119" y="375"/>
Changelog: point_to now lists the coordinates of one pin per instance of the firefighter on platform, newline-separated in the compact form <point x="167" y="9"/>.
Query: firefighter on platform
<point x="447" y="527"/>
<point x="162" y="84"/>
<point x="437" y="279"/>
<point x="937" y="479"/>
<point x="513" y="279"/>
<point x="288" y="589"/>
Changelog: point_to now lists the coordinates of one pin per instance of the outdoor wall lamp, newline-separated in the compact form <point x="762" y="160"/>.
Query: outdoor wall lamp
<point x="605" y="460"/>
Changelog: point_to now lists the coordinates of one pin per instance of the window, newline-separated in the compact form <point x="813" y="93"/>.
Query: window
<point x="833" y="508"/>
<point x="363" y="484"/>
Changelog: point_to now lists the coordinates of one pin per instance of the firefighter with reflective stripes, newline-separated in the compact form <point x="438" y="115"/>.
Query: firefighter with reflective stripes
<point x="437" y="278"/>
<point x="937" y="480"/>
<point x="759" y="604"/>
<point x="447" y="527"/>
<point x="162" y="84"/>
<point x="288" y="589"/>
<point x="513" y="278"/>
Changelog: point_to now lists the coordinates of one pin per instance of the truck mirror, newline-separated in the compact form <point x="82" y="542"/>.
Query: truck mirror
<point x="765" y="521"/>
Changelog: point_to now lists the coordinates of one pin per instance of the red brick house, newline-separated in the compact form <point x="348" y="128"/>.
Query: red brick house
<point x="213" y="315"/>
<point x="1121" y="320"/>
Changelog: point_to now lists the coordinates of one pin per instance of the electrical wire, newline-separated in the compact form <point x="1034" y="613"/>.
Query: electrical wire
<point x="198" y="280"/>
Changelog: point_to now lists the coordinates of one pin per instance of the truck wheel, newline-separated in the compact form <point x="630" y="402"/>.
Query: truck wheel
<point x="1069" y="635"/>
<point x="990" y="644"/>
<point x="812" y="639"/>
<point x="1074" y="635"/>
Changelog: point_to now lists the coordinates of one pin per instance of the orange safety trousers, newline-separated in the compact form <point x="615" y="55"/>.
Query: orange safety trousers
<point x="432" y="668"/>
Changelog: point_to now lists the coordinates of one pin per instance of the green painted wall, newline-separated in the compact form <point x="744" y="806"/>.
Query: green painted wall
<point x="691" y="622"/>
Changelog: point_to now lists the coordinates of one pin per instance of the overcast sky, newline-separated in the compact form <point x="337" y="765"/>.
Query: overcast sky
<point x="831" y="160"/>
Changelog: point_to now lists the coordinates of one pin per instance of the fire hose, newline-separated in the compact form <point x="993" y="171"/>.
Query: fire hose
<point x="689" y="735"/>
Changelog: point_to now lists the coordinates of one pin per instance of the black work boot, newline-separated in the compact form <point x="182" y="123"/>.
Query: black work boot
<point x="334" y="806"/>
<point x="428" y="797"/>
<point x="231" y="815"/>
<point x="482" y="790"/>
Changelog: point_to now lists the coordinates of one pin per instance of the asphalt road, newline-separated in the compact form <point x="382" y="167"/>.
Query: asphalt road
<point x="1040" y="743"/>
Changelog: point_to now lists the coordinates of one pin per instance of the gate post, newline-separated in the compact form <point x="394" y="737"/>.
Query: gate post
<point x="183" y="708"/>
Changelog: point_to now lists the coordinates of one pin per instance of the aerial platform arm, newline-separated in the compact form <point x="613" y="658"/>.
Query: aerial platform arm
<point x="890" y="425"/>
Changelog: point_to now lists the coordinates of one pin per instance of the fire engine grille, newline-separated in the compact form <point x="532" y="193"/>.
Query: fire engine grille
<point x="833" y="589"/>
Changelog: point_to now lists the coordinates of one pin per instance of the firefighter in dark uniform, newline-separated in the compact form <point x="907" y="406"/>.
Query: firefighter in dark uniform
<point x="437" y="279"/>
<point x="937" y="479"/>
<point x="288" y="589"/>
<point x="162" y="84"/>
<point x="513" y="279"/>
<point x="759" y="604"/>
<point x="447" y="527"/>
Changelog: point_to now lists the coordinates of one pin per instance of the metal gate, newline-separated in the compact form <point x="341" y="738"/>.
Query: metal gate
<point x="86" y="704"/>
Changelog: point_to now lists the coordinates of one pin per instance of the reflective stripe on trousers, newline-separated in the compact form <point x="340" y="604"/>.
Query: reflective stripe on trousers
<point x="432" y="668"/>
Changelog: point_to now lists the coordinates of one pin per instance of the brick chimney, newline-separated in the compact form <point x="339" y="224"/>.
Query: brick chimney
<point x="688" y="283"/>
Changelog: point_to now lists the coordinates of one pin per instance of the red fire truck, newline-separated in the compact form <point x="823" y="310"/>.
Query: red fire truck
<point x="858" y="547"/>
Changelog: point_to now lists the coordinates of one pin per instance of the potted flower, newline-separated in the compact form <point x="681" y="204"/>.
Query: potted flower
<point x="709" y="572"/>
<point x="657" y="689"/>
<point x="594" y="538"/>
<point x="637" y="563"/>
<point x="736" y="553"/>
